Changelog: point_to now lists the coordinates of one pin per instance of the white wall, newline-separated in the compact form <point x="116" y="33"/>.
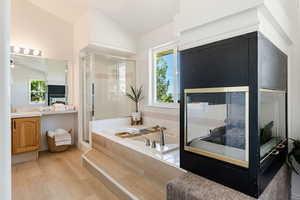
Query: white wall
<point x="104" y="35"/>
<point x="294" y="71"/>
<point x="97" y="30"/>
<point x="94" y="28"/>
<point x="154" y="115"/>
<point x="5" y="136"/>
<point x="287" y="14"/>
<point x="106" y="32"/>
<point x="35" y="28"/>
<point x="56" y="73"/>
<point x="199" y="12"/>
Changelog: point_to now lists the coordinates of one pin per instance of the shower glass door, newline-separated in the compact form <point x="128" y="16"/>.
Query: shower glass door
<point x="106" y="79"/>
<point x="87" y="97"/>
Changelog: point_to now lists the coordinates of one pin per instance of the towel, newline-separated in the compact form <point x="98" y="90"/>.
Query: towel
<point x="59" y="107"/>
<point x="63" y="143"/>
<point x="64" y="138"/>
<point x="133" y="130"/>
<point x="60" y="131"/>
<point x="51" y="133"/>
<point x="60" y="136"/>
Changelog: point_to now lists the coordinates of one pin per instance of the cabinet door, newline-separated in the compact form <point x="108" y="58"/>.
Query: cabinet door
<point x="26" y="135"/>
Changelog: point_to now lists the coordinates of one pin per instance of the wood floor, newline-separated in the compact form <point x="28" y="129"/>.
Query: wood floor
<point x="58" y="176"/>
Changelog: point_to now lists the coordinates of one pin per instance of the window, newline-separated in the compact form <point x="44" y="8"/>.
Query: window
<point x="164" y="81"/>
<point x="37" y="91"/>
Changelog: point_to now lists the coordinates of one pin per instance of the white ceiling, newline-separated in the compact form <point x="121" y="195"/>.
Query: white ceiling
<point x="137" y="16"/>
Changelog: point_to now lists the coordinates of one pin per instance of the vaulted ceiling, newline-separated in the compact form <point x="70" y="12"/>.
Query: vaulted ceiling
<point x="137" y="16"/>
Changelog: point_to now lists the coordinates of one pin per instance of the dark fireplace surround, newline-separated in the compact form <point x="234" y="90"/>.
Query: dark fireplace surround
<point x="233" y="111"/>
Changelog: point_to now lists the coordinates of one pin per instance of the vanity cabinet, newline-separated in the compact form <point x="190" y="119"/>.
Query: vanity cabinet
<point x="25" y="135"/>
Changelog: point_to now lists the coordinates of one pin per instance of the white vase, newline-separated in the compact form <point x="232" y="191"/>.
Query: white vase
<point x="136" y="116"/>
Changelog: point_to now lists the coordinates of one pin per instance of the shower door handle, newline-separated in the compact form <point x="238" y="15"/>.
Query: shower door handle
<point x="93" y="101"/>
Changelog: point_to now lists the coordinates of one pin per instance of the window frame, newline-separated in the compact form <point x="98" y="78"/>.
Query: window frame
<point x="30" y="92"/>
<point x="152" y="78"/>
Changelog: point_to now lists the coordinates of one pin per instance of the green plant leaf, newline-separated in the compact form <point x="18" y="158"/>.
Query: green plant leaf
<point x="135" y="95"/>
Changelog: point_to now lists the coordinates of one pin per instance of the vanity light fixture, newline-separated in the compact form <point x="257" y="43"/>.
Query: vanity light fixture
<point x="25" y="51"/>
<point x="16" y="49"/>
<point x="36" y="52"/>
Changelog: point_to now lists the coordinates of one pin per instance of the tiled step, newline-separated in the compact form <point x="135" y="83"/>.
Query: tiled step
<point x="124" y="181"/>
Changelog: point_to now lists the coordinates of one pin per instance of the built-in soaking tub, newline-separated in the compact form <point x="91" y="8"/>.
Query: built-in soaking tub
<point x="128" y="167"/>
<point x="168" y="153"/>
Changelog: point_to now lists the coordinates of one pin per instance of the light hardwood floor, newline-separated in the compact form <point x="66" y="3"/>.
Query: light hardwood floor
<point x="58" y="176"/>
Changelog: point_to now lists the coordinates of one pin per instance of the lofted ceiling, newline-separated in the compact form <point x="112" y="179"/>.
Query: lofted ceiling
<point x="137" y="16"/>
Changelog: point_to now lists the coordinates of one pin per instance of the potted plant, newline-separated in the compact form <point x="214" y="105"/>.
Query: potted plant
<point x="136" y="96"/>
<point x="294" y="156"/>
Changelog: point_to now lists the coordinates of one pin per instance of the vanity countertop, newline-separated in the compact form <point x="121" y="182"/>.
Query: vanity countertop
<point x="39" y="114"/>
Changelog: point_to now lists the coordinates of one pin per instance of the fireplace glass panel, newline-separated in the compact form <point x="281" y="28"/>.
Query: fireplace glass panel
<point x="272" y="120"/>
<point x="217" y="124"/>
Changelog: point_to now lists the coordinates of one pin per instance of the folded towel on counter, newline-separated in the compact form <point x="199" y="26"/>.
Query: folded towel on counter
<point x="59" y="107"/>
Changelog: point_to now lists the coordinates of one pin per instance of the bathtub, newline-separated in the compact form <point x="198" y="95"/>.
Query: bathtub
<point x="171" y="142"/>
<point x="169" y="153"/>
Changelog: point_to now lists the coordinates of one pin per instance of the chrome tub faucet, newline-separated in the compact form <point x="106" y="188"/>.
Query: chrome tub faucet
<point x="162" y="135"/>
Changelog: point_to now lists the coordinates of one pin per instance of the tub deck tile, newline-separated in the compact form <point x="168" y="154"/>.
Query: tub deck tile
<point x="138" y="184"/>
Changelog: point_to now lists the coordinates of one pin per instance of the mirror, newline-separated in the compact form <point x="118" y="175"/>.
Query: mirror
<point x="37" y="82"/>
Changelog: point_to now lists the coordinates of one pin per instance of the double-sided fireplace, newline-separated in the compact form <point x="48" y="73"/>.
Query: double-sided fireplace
<point x="234" y="111"/>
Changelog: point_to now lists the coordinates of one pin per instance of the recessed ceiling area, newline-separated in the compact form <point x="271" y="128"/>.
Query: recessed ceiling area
<point x="137" y="16"/>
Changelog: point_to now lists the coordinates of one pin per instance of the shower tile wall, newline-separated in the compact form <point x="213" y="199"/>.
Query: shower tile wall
<point x="112" y="79"/>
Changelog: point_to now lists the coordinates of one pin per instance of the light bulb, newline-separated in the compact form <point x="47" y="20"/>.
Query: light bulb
<point x="36" y="52"/>
<point x="26" y="51"/>
<point x="12" y="66"/>
<point x="17" y="49"/>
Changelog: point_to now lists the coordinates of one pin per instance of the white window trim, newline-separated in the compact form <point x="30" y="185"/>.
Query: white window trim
<point x="152" y="78"/>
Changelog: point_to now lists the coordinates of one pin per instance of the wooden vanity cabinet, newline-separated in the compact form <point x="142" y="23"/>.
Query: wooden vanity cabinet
<point x="25" y="135"/>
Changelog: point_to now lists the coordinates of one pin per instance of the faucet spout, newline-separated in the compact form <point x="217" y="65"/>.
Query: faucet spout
<point x="162" y="136"/>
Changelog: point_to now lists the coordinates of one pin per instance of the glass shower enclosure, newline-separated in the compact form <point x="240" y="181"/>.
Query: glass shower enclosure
<point x="106" y="79"/>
